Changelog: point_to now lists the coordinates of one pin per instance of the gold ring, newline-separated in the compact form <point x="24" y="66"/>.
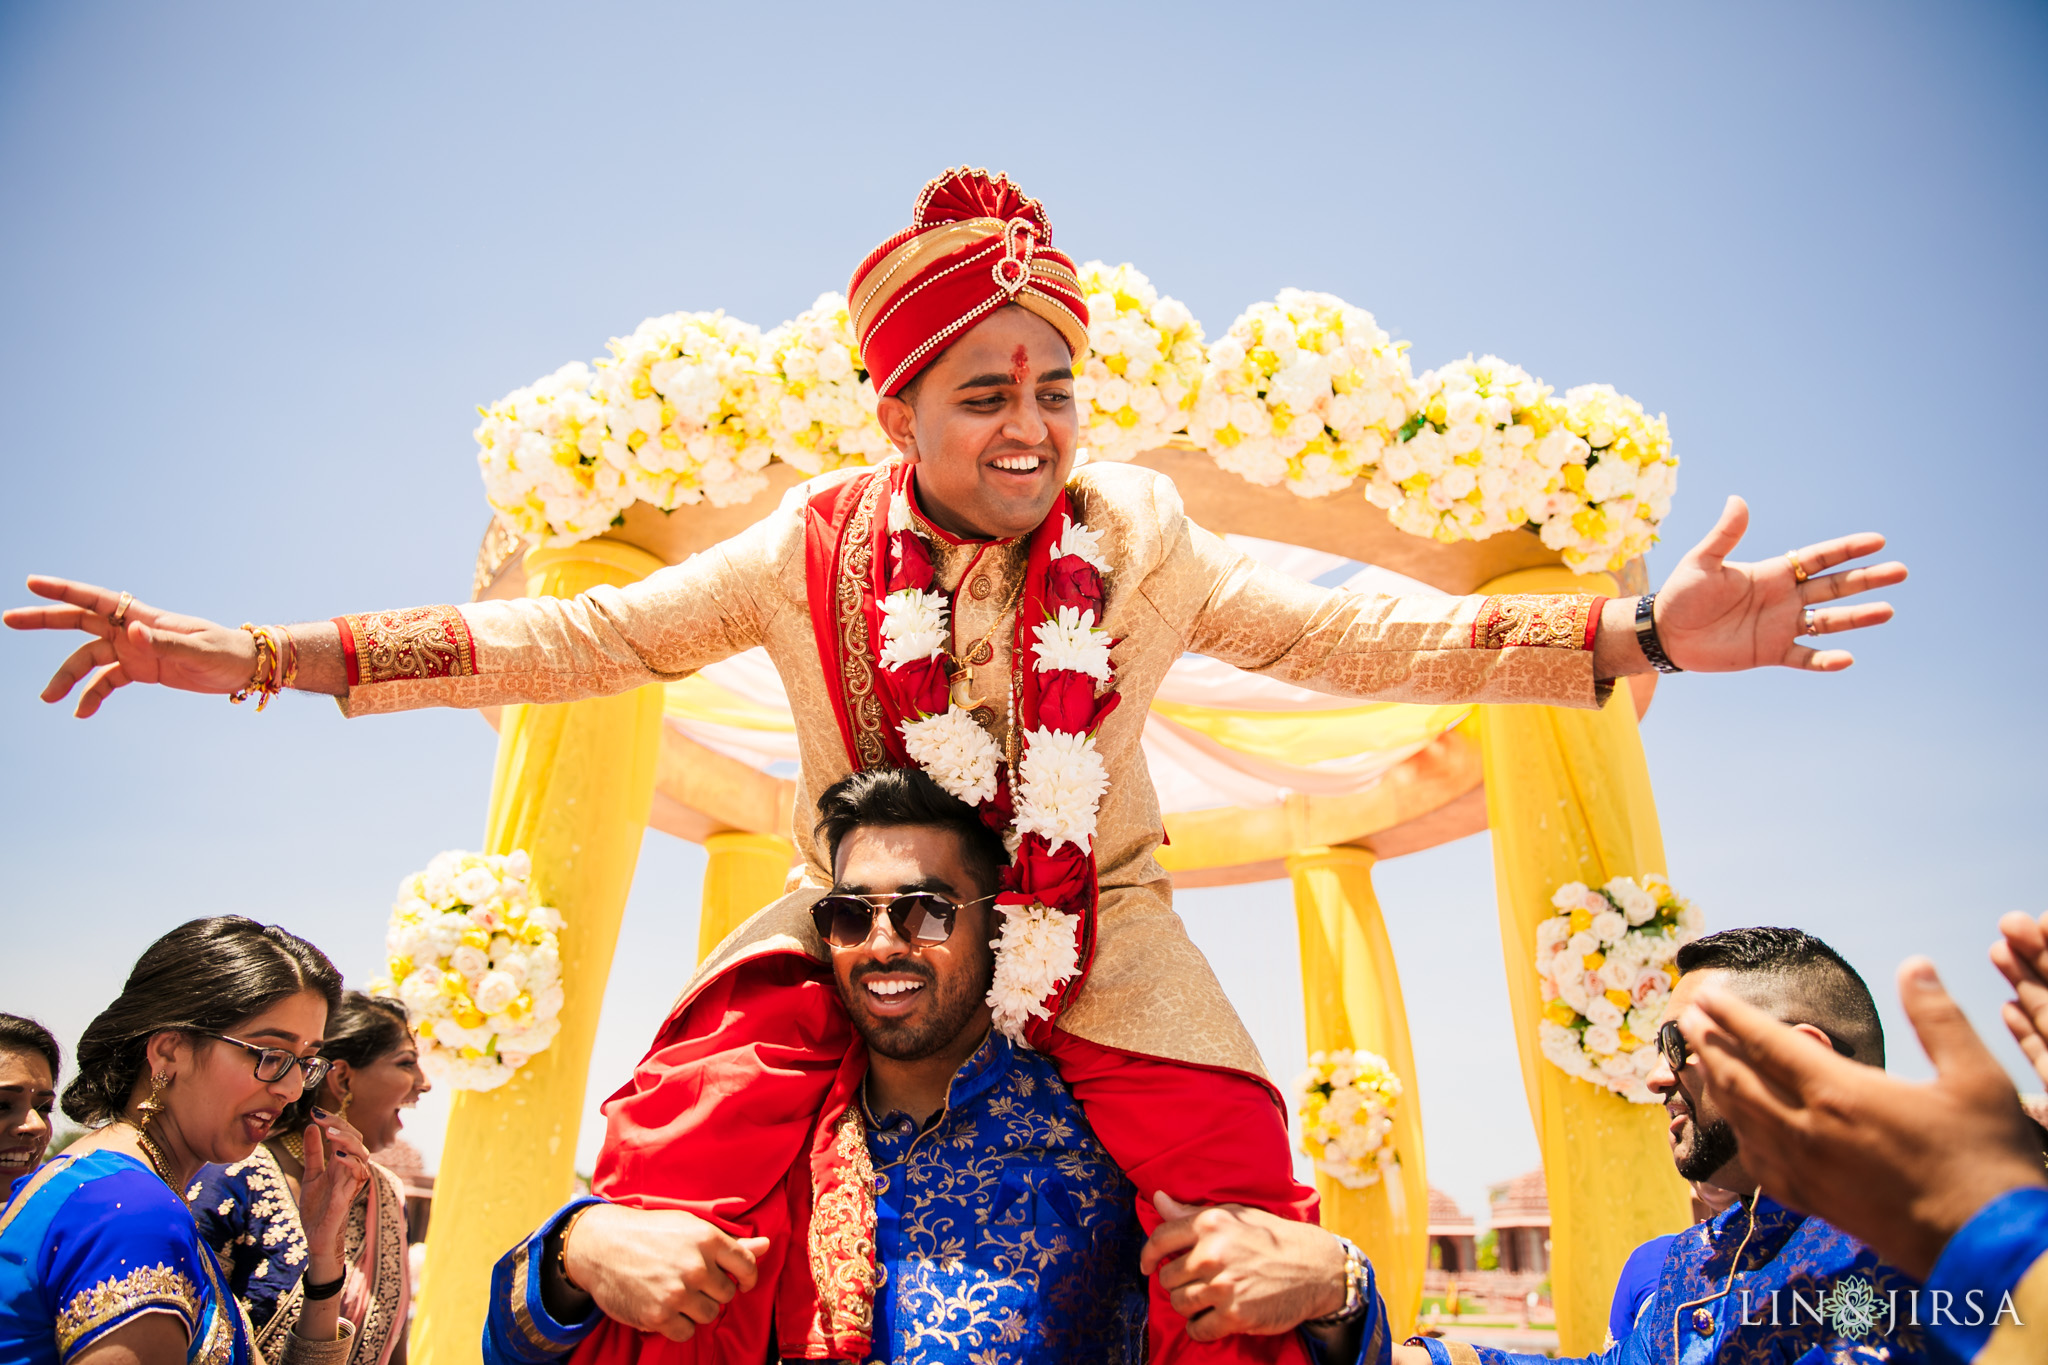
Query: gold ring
<point x="120" y="615"/>
<point x="1799" y="573"/>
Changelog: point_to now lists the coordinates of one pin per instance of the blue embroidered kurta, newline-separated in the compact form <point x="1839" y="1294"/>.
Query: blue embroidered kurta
<point x="1805" y="1293"/>
<point x="1993" y="1279"/>
<point x="1004" y="1232"/>
<point x="87" y="1244"/>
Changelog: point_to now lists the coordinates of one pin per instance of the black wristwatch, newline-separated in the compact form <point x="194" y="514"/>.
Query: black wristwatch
<point x="1646" y="635"/>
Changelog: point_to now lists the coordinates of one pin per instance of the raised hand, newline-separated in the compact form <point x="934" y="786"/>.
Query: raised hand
<point x="134" y="642"/>
<point x="337" y="1167"/>
<point x="1900" y="1165"/>
<point x="1714" y="616"/>
<point x="659" y="1270"/>
<point x="2022" y="955"/>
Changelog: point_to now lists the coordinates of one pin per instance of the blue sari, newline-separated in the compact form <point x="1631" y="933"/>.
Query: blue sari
<point x="90" y="1243"/>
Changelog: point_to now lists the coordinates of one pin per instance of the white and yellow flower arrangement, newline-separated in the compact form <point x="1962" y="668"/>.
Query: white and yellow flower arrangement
<point x="541" y="450"/>
<point x="477" y="964"/>
<point x="1604" y="962"/>
<point x="1346" y="1102"/>
<point x="1136" y="387"/>
<point x="820" y="402"/>
<point x="1305" y="390"/>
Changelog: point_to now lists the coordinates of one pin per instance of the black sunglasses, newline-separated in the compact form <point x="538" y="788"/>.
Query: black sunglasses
<point x="275" y="1063"/>
<point x="921" y="918"/>
<point x="1671" y="1043"/>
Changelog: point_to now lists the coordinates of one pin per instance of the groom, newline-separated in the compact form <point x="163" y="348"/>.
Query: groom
<point x="970" y="322"/>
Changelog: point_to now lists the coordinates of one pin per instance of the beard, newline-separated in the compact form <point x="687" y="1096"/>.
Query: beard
<point x="1713" y="1146"/>
<point x="951" y="1005"/>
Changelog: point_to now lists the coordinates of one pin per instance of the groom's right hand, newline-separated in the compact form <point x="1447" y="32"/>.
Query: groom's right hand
<point x="658" y="1270"/>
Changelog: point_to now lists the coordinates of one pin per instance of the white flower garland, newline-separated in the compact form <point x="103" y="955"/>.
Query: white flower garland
<point x="1305" y="390"/>
<point x="1346" y="1102"/>
<point x="1136" y="386"/>
<point x="1060" y="776"/>
<point x="477" y="964"/>
<point x="1604" y="962"/>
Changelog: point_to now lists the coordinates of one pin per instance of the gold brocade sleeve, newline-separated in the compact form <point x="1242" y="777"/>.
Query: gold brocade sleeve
<point x="1427" y="649"/>
<point x="556" y="649"/>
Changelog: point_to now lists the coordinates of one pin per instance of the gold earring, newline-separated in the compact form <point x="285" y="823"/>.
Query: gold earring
<point x="154" y="1105"/>
<point x="346" y="1096"/>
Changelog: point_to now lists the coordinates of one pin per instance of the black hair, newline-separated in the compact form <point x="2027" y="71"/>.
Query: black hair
<point x="360" y="1029"/>
<point x="1799" y="977"/>
<point x="898" y="797"/>
<point x="205" y="976"/>
<point x="26" y="1035"/>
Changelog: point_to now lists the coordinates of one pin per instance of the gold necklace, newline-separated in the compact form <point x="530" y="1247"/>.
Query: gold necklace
<point x="157" y="1161"/>
<point x="294" y="1143"/>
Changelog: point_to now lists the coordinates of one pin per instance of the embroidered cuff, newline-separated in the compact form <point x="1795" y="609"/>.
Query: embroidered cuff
<point x="1983" y="1264"/>
<point x="519" y="1330"/>
<point x="1536" y="620"/>
<point x="394" y="646"/>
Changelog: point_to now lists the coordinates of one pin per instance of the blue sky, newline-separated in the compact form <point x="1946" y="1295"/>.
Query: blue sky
<point x="259" y="263"/>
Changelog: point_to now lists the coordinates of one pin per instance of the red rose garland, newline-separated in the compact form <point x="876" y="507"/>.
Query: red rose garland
<point x="1047" y="808"/>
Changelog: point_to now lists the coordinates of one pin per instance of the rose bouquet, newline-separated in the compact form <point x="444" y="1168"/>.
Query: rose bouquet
<point x="1137" y="385"/>
<point x="541" y="449"/>
<point x="1305" y="389"/>
<point x="477" y="964"/>
<point x="686" y="416"/>
<point x="1604" y="963"/>
<point x="1346" y="1103"/>
<point x="820" y="403"/>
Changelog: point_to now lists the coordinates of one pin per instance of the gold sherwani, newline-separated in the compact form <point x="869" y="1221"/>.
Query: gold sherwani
<point x="1172" y="588"/>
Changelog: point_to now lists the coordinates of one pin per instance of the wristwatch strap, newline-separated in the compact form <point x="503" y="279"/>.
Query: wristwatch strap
<point x="1357" y="1275"/>
<point x="1646" y="635"/>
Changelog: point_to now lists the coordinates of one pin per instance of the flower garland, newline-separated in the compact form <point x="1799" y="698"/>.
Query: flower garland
<point x="1615" y="483"/>
<point x="1604" y="963"/>
<point x="541" y="450"/>
<point x="1136" y="387"/>
<point x="1346" y="1102"/>
<point x="1463" y="468"/>
<point x="1305" y="389"/>
<point x="821" y="411"/>
<point x="1059" y="778"/>
<point x="684" y="410"/>
<point x="478" y="965"/>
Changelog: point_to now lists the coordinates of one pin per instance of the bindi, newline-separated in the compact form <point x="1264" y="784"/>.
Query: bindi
<point x="1020" y="366"/>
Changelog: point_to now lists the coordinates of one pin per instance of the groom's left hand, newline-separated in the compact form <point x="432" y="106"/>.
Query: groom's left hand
<point x="1717" y="616"/>
<point x="1232" y="1269"/>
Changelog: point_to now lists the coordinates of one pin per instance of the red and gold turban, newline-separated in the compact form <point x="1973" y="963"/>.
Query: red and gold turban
<point x="974" y="244"/>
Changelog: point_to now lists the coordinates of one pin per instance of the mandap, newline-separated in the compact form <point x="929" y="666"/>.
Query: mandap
<point x="1301" y="434"/>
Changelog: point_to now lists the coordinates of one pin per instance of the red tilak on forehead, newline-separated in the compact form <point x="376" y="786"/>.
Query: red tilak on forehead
<point x="1020" y="365"/>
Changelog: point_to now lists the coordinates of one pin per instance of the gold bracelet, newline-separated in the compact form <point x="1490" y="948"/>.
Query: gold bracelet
<point x="562" y="1249"/>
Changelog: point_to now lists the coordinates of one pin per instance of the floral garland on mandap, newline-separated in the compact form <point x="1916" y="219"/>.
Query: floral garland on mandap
<point x="1605" y="964"/>
<point x="1346" y="1102"/>
<point x="1136" y="386"/>
<point x="1059" y="778"/>
<point x="1304" y="390"/>
<point x="477" y="964"/>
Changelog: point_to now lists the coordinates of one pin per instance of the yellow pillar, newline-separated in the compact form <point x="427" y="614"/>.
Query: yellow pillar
<point x="573" y="787"/>
<point x="742" y="873"/>
<point x="1351" y="997"/>
<point x="1568" y="799"/>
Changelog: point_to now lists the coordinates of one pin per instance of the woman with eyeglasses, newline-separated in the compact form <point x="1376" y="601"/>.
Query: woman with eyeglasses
<point x="249" y="1211"/>
<point x="216" y="1033"/>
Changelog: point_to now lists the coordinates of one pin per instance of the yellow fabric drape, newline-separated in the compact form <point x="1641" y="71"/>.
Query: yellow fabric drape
<point x="1568" y="799"/>
<point x="1351" y="997"/>
<point x="742" y="873"/>
<point x="573" y="786"/>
